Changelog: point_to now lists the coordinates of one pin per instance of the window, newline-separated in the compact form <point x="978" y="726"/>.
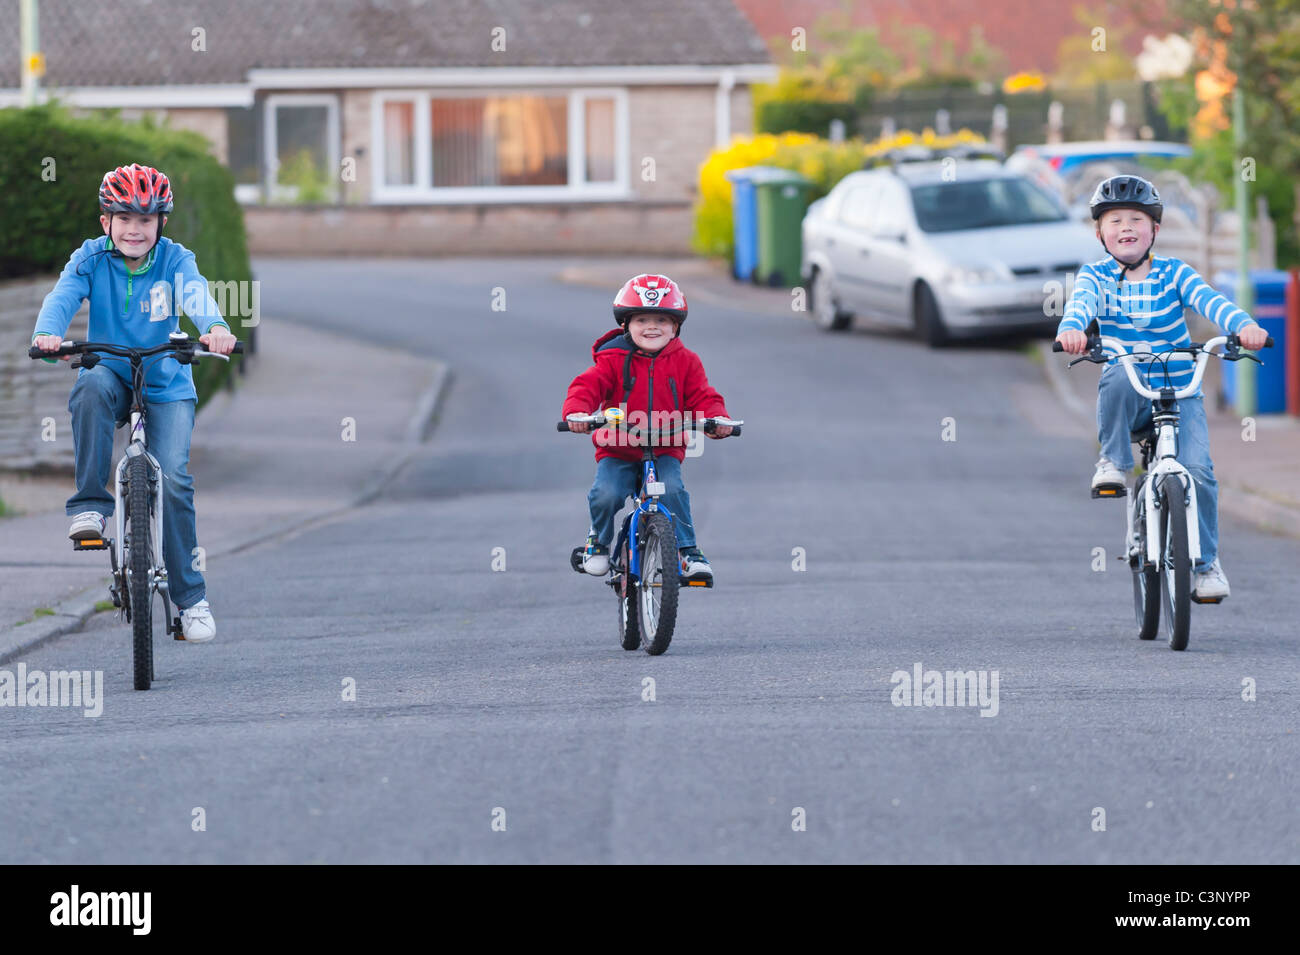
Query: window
<point x="242" y="148"/>
<point x="858" y="209"/>
<point x="599" y="139"/>
<point x="891" y="213"/>
<point x="499" y="145"/>
<point x="983" y="204"/>
<point x="302" y="147"/>
<point x="399" y="144"/>
<point x="500" y="141"/>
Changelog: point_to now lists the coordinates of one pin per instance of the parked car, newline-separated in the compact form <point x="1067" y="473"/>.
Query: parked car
<point x="1058" y="166"/>
<point x="950" y="249"/>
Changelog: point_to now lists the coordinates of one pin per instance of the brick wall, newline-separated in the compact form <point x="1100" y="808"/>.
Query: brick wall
<point x="354" y="133"/>
<point x="207" y="122"/>
<point x="675" y="125"/>
<point x="662" y="228"/>
<point x="32" y="391"/>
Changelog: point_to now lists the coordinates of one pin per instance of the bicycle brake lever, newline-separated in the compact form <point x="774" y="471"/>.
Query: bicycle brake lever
<point x="1077" y="360"/>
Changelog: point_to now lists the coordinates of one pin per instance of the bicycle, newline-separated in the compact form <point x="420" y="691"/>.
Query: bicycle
<point x="646" y="546"/>
<point x="1162" y="539"/>
<point x="136" y="552"/>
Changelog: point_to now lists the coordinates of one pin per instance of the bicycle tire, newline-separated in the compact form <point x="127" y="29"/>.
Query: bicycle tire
<point x="629" y="630"/>
<point x="659" y="575"/>
<point x="139" y="560"/>
<point x="1175" y="564"/>
<point x="1146" y="578"/>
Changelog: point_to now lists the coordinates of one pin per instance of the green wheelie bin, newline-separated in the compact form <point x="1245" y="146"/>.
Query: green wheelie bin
<point x="782" y="201"/>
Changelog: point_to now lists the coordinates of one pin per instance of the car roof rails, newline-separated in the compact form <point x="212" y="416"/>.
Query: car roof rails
<point x="919" y="153"/>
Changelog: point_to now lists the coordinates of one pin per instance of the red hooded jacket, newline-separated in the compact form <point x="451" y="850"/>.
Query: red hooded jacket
<point x="664" y="386"/>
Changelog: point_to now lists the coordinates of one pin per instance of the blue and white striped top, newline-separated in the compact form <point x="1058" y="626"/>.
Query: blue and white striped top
<point x="1149" y="311"/>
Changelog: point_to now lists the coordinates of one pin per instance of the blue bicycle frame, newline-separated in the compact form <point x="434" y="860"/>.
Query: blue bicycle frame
<point x="646" y="504"/>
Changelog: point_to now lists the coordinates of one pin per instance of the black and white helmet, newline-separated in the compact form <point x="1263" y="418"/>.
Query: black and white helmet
<point x="1126" y="192"/>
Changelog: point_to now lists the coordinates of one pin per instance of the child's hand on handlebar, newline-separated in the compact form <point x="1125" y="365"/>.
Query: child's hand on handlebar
<point x="579" y="427"/>
<point x="1252" y="337"/>
<point x="219" y="340"/>
<point x="1073" y="341"/>
<point x="721" y="431"/>
<point x="51" y="343"/>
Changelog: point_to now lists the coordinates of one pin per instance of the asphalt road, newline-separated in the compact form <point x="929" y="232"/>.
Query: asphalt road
<point x="480" y="690"/>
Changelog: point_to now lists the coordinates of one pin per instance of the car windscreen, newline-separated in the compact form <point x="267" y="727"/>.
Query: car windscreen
<point x="982" y="204"/>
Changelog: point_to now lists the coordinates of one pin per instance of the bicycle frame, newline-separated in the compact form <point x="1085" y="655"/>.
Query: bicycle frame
<point x="647" y="503"/>
<point x="1164" y="419"/>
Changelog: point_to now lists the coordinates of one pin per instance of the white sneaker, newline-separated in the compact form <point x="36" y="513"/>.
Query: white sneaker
<point x="1108" y="474"/>
<point x="87" y="526"/>
<point x="197" y="624"/>
<point x="1211" y="584"/>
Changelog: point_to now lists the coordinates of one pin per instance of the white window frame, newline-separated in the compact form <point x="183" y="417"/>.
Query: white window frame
<point x="425" y="192"/>
<point x="270" y="157"/>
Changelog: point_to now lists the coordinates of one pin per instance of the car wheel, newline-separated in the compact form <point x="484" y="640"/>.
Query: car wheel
<point x="826" y="313"/>
<point x="927" y="323"/>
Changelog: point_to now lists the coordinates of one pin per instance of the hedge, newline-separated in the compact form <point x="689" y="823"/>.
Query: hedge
<point x="51" y="166"/>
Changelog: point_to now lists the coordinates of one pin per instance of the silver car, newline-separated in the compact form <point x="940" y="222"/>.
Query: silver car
<point x="948" y="248"/>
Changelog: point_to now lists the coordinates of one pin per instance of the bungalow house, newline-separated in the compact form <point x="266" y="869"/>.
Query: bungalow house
<point x="425" y="126"/>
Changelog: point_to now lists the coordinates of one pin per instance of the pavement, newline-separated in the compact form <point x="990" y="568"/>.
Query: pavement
<point x="269" y="458"/>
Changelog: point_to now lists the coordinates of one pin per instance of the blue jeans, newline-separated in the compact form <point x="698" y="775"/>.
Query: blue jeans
<point x="1121" y="410"/>
<point x="617" y="480"/>
<point x="98" y="400"/>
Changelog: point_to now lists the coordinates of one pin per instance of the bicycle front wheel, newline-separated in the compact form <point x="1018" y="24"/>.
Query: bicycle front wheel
<point x="629" y="630"/>
<point x="1146" y="578"/>
<point x="658" y="587"/>
<point x="1175" y="564"/>
<point x="138" y="565"/>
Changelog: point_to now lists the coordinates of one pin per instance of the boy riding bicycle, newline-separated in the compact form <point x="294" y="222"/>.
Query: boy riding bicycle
<point x="1139" y="299"/>
<point x="126" y="275"/>
<point x="643" y="367"/>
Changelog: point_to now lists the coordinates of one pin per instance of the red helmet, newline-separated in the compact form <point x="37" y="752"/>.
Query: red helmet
<point x="649" y="293"/>
<point x="135" y="188"/>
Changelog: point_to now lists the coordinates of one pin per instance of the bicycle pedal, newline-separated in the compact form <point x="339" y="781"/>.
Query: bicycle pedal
<point x="91" y="543"/>
<point x="575" y="559"/>
<point x="697" y="581"/>
<point x="178" y="632"/>
<point x="1110" y="490"/>
<point x="1205" y="600"/>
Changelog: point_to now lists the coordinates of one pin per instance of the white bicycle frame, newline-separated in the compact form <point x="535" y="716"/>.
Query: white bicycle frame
<point x="134" y="448"/>
<point x="1166" y="454"/>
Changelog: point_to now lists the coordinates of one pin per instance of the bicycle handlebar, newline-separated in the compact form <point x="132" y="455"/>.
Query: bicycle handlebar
<point x="707" y="425"/>
<point x="1201" y="351"/>
<point x="121" y="351"/>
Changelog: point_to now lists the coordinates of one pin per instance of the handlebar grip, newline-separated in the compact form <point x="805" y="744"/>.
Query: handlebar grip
<point x="1056" y="346"/>
<point x="1269" y="342"/>
<point x="64" y="349"/>
<point x="735" y="430"/>
<point x="562" y="426"/>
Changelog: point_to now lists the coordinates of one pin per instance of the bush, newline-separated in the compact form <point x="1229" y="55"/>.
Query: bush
<point x="806" y="102"/>
<point x="51" y="166"/>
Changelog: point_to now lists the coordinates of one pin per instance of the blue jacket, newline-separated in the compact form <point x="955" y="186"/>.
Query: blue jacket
<point x="135" y="310"/>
